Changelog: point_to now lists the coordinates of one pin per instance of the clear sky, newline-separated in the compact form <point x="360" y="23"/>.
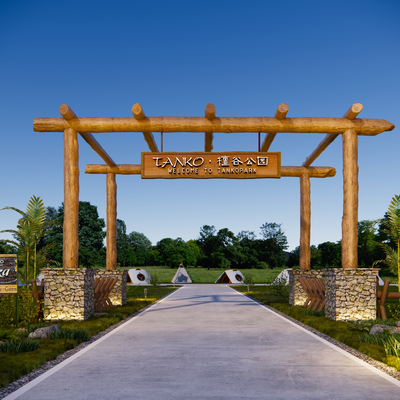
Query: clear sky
<point x="174" y="57"/>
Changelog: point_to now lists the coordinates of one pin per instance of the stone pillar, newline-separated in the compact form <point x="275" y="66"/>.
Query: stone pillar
<point x="350" y="293"/>
<point x="118" y="294"/>
<point x="297" y="296"/>
<point x="68" y="293"/>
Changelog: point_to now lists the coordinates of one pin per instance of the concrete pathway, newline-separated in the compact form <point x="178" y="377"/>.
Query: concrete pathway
<point x="209" y="342"/>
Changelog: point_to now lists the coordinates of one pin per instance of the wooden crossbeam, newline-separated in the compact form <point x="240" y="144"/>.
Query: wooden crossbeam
<point x="139" y="115"/>
<point x="280" y="114"/>
<point x="136" y="169"/>
<point x="69" y="116"/>
<point x="350" y="114"/>
<point x="366" y="127"/>
<point x="209" y="113"/>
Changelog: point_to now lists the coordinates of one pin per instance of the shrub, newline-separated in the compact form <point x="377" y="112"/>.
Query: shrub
<point x="153" y="280"/>
<point x="26" y="309"/>
<point x="262" y="265"/>
<point x="279" y="286"/>
<point x="65" y="333"/>
<point x="19" y="346"/>
<point x="395" y="311"/>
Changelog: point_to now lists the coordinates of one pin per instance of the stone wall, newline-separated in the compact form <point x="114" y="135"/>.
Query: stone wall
<point x="68" y="293"/>
<point x="350" y="294"/>
<point x="118" y="294"/>
<point x="297" y="296"/>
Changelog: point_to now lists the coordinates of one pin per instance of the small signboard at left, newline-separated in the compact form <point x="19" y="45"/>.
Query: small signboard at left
<point x="8" y="273"/>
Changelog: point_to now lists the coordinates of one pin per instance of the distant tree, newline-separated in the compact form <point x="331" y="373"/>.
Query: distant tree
<point x="367" y="248"/>
<point x="249" y="235"/>
<point x="172" y="252"/>
<point x="272" y="248"/>
<point x="206" y="231"/>
<point x="315" y="256"/>
<point x="272" y="230"/>
<point x="90" y="234"/>
<point x="141" y="246"/>
<point x="294" y="258"/>
<point x="195" y="250"/>
<point x="7" y="248"/>
<point x="122" y="243"/>
<point x="330" y="254"/>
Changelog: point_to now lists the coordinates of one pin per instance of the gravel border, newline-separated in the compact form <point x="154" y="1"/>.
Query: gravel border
<point x="377" y="364"/>
<point x="12" y="387"/>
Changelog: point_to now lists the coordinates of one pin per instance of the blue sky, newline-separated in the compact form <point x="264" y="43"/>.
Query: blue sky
<point x="101" y="57"/>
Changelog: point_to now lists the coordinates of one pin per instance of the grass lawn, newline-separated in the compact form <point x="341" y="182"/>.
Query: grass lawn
<point x="346" y="332"/>
<point x="204" y="275"/>
<point x="15" y="365"/>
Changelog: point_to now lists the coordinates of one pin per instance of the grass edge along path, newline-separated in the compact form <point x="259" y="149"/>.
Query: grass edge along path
<point x="369" y="360"/>
<point x="47" y="365"/>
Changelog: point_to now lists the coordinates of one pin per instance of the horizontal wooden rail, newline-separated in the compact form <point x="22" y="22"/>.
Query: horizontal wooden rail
<point x="313" y="172"/>
<point x="366" y="127"/>
<point x="135" y="169"/>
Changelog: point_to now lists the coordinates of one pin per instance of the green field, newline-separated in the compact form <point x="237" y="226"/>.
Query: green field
<point x="204" y="275"/>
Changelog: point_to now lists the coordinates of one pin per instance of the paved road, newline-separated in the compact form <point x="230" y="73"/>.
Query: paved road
<point x="209" y="342"/>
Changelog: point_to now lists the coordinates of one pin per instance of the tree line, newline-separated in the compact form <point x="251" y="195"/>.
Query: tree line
<point x="212" y="248"/>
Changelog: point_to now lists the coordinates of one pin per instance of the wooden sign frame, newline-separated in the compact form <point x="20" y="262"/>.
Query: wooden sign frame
<point x="202" y="165"/>
<point x="8" y="273"/>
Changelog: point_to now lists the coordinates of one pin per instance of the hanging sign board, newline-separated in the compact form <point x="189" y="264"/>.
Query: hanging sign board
<point x="8" y="273"/>
<point x="229" y="165"/>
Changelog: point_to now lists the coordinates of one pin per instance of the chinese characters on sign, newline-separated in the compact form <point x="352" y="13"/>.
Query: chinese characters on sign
<point x="8" y="273"/>
<point x="236" y="165"/>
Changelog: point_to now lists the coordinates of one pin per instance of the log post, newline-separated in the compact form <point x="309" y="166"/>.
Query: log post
<point x="350" y="199"/>
<point x="209" y="113"/>
<point x="71" y="199"/>
<point x="305" y="221"/>
<point x="111" y="238"/>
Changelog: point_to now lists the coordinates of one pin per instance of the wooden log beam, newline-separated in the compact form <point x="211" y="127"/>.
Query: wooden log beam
<point x="366" y="127"/>
<point x="350" y="200"/>
<point x="208" y="141"/>
<point x="69" y="115"/>
<point x="111" y="225"/>
<point x="209" y="113"/>
<point x="280" y="113"/>
<point x="139" y="115"/>
<point x="313" y="172"/>
<point x="353" y="111"/>
<point x="121" y="169"/>
<point x="305" y="221"/>
<point x="136" y="169"/>
<point x="350" y="114"/>
<point x="71" y="199"/>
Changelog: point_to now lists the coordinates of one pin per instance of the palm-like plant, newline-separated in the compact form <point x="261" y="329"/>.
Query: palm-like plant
<point x="30" y="230"/>
<point x="392" y="229"/>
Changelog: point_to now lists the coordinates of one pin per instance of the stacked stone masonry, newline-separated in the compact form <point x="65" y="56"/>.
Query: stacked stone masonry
<point x="118" y="294"/>
<point x="297" y="296"/>
<point x="68" y="293"/>
<point x="350" y="294"/>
